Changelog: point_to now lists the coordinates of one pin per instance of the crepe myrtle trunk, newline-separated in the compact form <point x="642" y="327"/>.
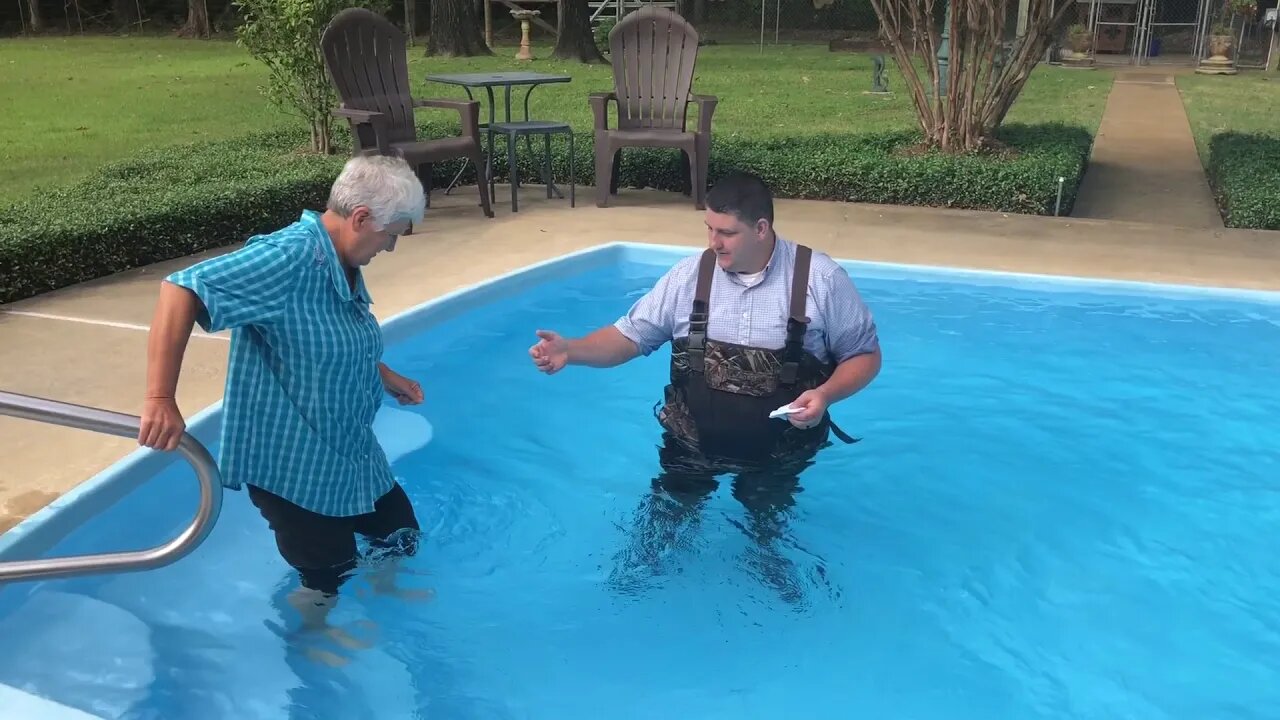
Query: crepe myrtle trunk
<point x="961" y="73"/>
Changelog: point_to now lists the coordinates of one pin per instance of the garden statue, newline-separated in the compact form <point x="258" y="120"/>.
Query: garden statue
<point x="879" y="79"/>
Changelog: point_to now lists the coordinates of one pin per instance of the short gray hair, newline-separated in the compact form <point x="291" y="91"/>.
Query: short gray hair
<point x="384" y="184"/>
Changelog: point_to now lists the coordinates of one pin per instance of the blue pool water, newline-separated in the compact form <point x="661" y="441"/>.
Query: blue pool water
<point x="1065" y="504"/>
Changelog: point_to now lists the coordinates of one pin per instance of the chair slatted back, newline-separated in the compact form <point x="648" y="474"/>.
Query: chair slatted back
<point x="654" y="51"/>
<point x="365" y="55"/>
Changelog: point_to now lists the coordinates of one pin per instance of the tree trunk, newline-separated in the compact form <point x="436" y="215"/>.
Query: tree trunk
<point x="576" y="40"/>
<point x="321" y="135"/>
<point x="35" y="21"/>
<point x="197" y="20"/>
<point x="410" y="19"/>
<point x="455" y="30"/>
<point x="981" y="85"/>
<point x="125" y="13"/>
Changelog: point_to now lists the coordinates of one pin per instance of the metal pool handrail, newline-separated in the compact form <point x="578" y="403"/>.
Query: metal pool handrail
<point x="112" y="423"/>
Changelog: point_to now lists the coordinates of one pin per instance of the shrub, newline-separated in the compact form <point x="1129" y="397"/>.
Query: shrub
<point x="285" y="36"/>
<point x="871" y="168"/>
<point x="175" y="201"/>
<point x="166" y="203"/>
<point x="1244" y="171"/>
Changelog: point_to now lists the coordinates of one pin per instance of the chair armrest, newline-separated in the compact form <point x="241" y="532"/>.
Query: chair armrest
<point x="600" y="107"/>
<point x="468" y="112"/>
<point x="377" y="120"/>
<point x="706" y="108"/>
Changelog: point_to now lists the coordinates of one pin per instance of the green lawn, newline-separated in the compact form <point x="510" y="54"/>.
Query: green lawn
<point x="77" y="103"/>
<point x="1248" y="103"/>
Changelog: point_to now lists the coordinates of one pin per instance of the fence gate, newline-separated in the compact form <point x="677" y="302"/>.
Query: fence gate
<point x="1147" y="32"/>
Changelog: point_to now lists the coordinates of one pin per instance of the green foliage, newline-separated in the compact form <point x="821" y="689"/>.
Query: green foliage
<point x="167" y="203"/>
<point x="285" y="36"/>
<point x="879" y="167"/>
<point x="601" y="33"/>
<point x="175" y="201"/>
<point x="179" y="91"/>
<point x="1244" y="171"/>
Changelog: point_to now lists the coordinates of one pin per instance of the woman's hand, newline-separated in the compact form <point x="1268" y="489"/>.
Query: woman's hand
<point x="407" y="391"/>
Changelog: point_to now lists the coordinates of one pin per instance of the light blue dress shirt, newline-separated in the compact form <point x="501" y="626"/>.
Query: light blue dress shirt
<point x="841" y="326"/>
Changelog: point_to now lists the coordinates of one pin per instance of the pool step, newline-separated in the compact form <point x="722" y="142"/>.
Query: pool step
<point x="15" y="703"/>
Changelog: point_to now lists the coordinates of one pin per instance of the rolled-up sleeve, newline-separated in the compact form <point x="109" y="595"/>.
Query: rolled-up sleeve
<point x="250" y="286"/>
<point x="651" y="320"/>
<point x="851" y="329"/>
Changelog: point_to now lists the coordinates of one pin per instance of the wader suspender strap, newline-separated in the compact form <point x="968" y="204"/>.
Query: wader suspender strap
<point x="701" y="311"/>
<point x="798" y="322"/>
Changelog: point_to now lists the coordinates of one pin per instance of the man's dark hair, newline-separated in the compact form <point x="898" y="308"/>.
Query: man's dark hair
<point x="744" y="195"/>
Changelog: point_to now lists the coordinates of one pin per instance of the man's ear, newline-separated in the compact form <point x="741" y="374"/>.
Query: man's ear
<point x="762" y="228"/>
<point x="361" y="218"/>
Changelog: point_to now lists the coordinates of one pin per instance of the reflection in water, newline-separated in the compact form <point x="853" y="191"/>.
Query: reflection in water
<point x="668" y="521"/>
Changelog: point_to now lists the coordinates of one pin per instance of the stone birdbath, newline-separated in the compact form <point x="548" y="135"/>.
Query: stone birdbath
<point x="524" y="16"/>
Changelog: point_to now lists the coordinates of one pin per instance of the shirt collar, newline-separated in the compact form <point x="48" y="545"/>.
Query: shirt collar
<point x="776" y="259"/>
<point x="337" y="273"/>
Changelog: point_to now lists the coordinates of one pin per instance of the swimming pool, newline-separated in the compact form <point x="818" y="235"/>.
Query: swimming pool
<point x="1064" y="505"/>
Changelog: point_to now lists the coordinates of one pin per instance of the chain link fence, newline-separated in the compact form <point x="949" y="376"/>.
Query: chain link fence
<point x="725" y="22"/>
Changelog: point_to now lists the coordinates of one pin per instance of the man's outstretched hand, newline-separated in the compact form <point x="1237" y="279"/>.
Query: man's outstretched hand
<point x="551" y="353"/>
<point x="162" y="424"/>
<point x="815" y="407"/>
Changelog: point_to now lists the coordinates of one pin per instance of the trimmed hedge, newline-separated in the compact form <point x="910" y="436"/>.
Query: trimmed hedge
<point x="175" y="201"/>
<point x="164" y="204"/>
<point x="1244" y="171"/>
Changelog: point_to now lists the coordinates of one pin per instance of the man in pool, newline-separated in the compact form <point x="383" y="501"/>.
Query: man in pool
<point x="756" y="323"/>
<point x="304" y="379"/>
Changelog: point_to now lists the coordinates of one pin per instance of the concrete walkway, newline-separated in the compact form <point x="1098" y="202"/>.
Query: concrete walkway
<point x="1144" y="166"/>
<point x="87" y="344"/>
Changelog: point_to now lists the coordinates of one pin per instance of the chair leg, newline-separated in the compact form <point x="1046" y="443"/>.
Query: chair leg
<point x="546" y="163"/>
<point x="423" y="171"/>
<point x="686" y="172"/>
<point x="617" y="172"/>
<point x="484" y="168"/>
<point x="493" y="187"/>
<point x="697" y="182"/>
<point x="703" y="148"/>
<point x="604" y="171"/>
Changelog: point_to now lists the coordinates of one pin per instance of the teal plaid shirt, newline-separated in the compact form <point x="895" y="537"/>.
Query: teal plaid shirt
<point x="302" y="378"/>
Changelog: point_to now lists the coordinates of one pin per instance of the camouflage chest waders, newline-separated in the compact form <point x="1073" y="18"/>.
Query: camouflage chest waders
<point x="721" y="394"/>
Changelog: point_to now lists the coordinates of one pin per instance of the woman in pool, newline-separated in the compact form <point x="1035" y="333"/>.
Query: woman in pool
<point x="304" y="379"/>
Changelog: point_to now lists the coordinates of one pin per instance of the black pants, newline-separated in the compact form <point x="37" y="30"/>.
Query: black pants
<point x="670" y="515"/>
<point x="323" y="548"/>
<point x="763" y="487"/>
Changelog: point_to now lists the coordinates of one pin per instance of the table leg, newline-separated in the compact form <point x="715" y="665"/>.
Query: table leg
<point x="511" y="167"/>
<point x="489" y="132"/>
<point x="547" y="178"/>
<point x="528" y="140"/>
<point x="511" y="141"/>
<point x="448" y="189"/>
<point x="573" y="199"/>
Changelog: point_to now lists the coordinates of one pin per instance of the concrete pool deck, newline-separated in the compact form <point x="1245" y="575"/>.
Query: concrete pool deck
<point x="87" y="344"/>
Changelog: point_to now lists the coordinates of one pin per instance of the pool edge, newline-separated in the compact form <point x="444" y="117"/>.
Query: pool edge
<point x="41" y="530"/>
<point x="653" y="253"/>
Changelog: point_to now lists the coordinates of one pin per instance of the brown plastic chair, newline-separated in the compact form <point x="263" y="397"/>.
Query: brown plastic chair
<point x="366" y="60"/>
<point x="653" y="51"/>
